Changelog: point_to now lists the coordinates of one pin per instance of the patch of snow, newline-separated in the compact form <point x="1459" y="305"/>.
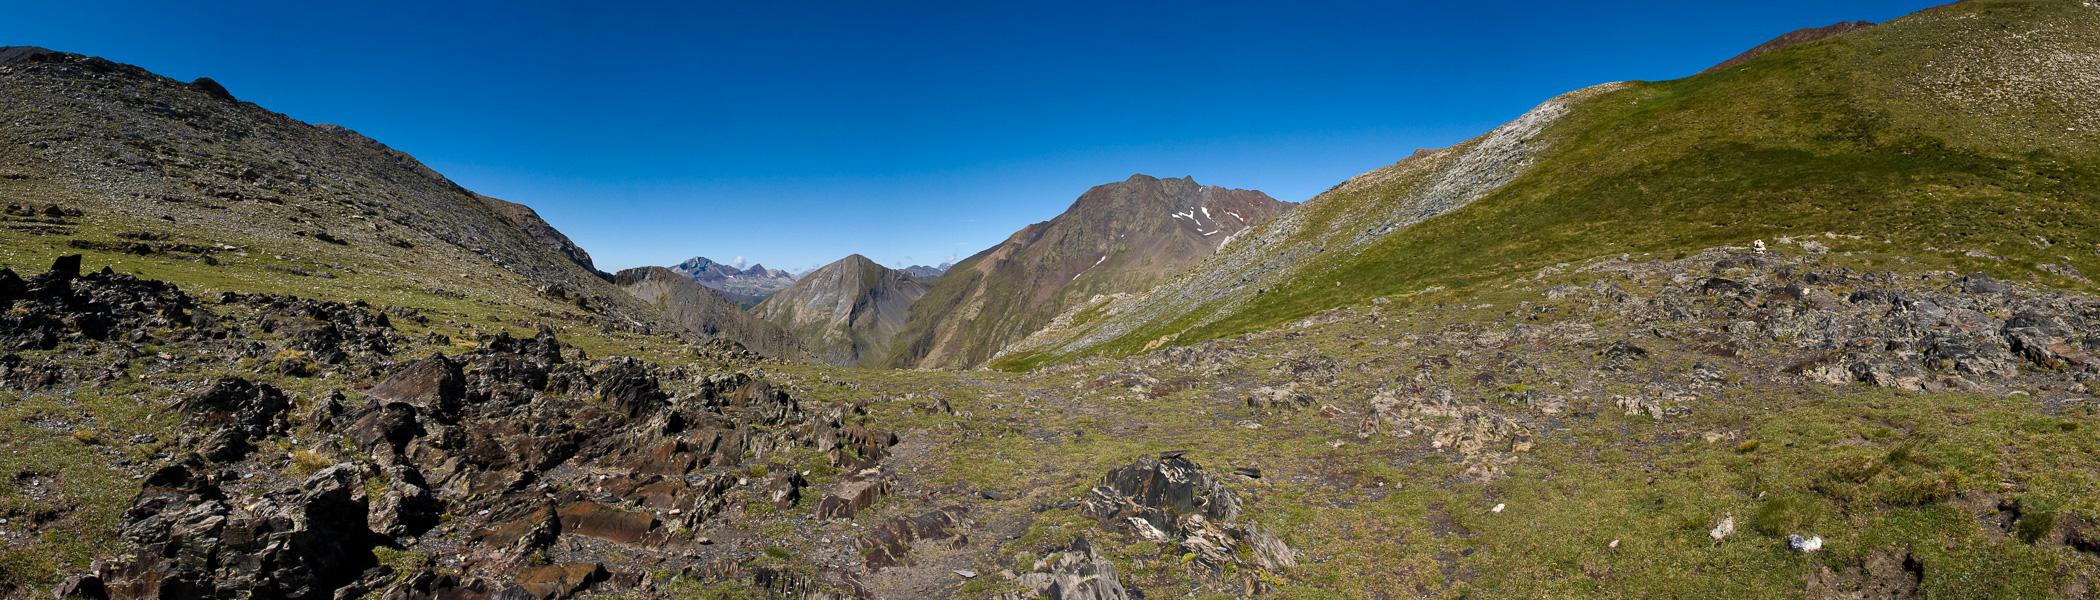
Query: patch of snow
<point x="1206" y="211"/>
<point x="1236" y="216"/>
<point x="1104" y="258"/>
<point x="1212" y="232"/>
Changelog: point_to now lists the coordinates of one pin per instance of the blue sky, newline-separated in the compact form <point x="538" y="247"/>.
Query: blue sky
<point x="796" y="133"/>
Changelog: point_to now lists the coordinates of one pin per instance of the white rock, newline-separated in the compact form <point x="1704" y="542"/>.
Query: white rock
<point x="1726" y="528"/>
<point x="1498" y="508"/>
<point x="1808" y="544"/>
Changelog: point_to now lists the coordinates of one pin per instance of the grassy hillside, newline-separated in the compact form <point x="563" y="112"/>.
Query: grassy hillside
<point x="1968" y="127"/>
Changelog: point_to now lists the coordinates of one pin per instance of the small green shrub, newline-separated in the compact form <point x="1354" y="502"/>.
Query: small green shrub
<point x="1788" y="514"/>
<point x="2035" y="525"/>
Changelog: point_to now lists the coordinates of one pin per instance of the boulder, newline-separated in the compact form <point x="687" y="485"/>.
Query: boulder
<point x="858" y="491"/>
<point x="434" y="385"/>
<point x="296" y="544"/>
<point x="888" y="544"/>
<point x="594" y="520"/>
<point x="560" y="581"/>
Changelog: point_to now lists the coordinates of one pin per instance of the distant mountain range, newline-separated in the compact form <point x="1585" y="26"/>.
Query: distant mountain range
<point x="706" y="311"/>
<point x="926" y="273"/>
<point x="746" y="286"/>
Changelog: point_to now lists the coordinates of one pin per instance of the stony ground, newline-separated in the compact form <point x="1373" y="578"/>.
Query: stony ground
<point x="1616" y="428"/>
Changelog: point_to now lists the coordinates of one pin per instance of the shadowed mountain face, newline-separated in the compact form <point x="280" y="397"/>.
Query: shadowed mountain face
<point x="847" y="311"/>
<point x="185" y="175"/>
<point x="706" y="312"/>
<point x="754" y="283"/>
<point x="1119" y="237"/>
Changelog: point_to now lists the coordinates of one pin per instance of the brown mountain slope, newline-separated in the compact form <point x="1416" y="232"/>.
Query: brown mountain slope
<point x="846" y="312"/>
<point x="184" y="182"/>
<point x="1798" y="36"/>
<point x="1119" y="237"/>
<point x="707" y="312"/>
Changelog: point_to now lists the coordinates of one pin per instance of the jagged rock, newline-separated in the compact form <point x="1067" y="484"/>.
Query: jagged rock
<point x="1078" y="573"/>
<point x="560" y="581"/>
<point x="433" y="385"/>
<point x="88" y="587"/>
<point x="1283" y="398"/>
<point x="405" y="508"/>
<point x="858" y="491"/>
<point x="295" y="544"/>
<point x="388" y="428"/>
<point x="1172" y="499"/>
<point x="1978" y="283"/>
<point x="594" y="520"/>
<point x="1484" y="439"/>
<point x="860" y="447"/>
<point x="887" y="544"/>
<point x="235" y="411"/>
<point x="785" y="489"/>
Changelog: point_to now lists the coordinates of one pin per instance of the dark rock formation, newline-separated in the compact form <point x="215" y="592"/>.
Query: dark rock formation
<point x="195" y="542"/>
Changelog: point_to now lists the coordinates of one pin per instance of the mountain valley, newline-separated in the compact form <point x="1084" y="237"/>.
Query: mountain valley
<point x="1814" y="323"/>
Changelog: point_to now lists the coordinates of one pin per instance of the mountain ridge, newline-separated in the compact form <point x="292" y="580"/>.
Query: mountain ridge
<point x="756" y="282"/>
<point x="227" y="191"/>
<point x="1116" y="237"/>
<point x="706" y="311"/>
<point x="845" y="312"/>
<point x="1920" y="121"/>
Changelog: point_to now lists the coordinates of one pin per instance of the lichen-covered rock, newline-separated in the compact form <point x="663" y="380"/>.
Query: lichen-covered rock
<point x="1173" y="500"/>
<point x="1077" y="573"/>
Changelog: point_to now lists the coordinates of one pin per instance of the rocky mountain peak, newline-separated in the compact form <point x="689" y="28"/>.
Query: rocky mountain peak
<point x="846" y="312"/>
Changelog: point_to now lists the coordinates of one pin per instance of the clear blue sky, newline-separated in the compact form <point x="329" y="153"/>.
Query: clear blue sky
<point x="795" y="133"/>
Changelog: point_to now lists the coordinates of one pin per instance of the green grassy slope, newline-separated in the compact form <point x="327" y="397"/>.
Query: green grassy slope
<point x="1964" y="127"/>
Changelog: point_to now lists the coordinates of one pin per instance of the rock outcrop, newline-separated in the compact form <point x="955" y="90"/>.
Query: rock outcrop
<point x="1172" y="500"/>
